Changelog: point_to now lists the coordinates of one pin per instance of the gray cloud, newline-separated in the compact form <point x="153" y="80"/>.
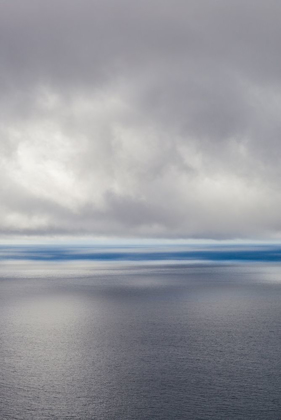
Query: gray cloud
<point x="140" y="119"/>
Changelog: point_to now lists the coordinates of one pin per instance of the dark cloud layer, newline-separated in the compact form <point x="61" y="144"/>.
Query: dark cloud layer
<point x="144" y="119"/>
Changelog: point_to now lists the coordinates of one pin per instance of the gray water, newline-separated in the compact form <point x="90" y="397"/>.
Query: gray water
<point x="140" y="342"/>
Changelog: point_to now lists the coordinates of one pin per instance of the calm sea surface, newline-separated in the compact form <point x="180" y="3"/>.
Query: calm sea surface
<point x="134" y="341"/>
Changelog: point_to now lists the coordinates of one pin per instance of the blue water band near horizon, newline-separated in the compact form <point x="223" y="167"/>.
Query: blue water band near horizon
<point x="226" y="253"/>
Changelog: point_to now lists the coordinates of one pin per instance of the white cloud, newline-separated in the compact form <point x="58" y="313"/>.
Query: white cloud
<point x="143" y="120"/>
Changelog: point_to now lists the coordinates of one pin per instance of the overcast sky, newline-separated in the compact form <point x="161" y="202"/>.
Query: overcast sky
<point x="140" y="119"/>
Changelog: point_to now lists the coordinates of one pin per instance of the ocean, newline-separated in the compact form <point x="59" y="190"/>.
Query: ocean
<point x="140" y="336"/>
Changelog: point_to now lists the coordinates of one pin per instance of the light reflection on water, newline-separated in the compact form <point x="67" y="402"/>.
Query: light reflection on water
<point x="140" y="342"/>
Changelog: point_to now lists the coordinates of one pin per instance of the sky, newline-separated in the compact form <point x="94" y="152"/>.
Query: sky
<point x="140" y="119"/>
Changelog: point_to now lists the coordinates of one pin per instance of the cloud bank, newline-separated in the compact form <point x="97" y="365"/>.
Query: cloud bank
<point x="140" y="119"/>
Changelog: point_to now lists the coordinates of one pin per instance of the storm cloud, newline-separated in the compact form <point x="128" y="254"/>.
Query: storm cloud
<point x="140" y="119"/>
